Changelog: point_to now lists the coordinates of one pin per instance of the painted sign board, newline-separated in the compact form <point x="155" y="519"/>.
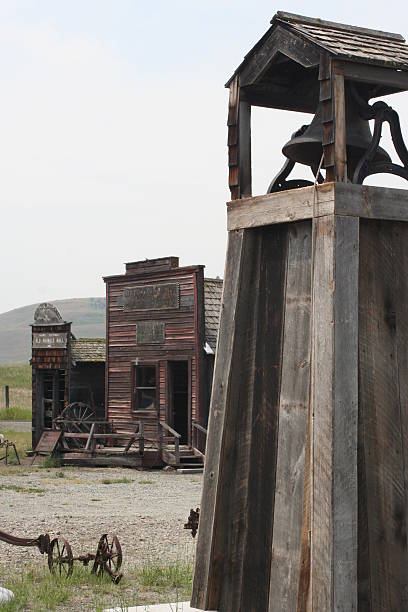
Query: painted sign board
<point x="152" y="297"/>
<point x="45" y="340"/>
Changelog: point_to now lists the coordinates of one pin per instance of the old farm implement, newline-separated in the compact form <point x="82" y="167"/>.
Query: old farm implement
<point x="107" y="559"/>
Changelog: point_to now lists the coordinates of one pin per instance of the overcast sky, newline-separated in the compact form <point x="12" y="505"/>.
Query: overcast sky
<point x="113" y="132"/>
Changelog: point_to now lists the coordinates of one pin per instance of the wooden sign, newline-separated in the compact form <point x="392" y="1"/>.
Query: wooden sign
<point x="150" y="332"/>
<point x="49" y="340"/>
<point x="152" y="297"/>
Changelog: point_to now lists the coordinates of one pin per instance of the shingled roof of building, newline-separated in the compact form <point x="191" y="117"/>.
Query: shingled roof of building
<point x="88" y="349"/>
<point x="349" y="42"/>
<point x="212" y="306"/>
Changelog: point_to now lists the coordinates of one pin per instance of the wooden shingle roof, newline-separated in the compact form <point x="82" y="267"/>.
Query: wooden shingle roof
<point x="349" y="42"/>
<point x="88" y="350"/>
<point x="212" y="307"/>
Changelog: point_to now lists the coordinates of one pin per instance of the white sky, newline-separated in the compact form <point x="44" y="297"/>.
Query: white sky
<point x="113" y="132"/>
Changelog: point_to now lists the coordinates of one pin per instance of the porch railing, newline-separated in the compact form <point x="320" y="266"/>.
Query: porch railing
<point x="172" y="437"/>
<point x="196" y="429"/>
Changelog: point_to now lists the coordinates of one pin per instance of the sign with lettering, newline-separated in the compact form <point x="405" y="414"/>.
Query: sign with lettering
<point x="150" y="332"/>
<point x="152" y="297"/>
<point x="49" y="340"/>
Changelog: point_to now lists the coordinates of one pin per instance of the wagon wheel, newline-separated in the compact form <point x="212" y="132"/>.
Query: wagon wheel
<point x="108" y="557"/>
<point x="60" y="559"/>
<point x="75" y="418"/>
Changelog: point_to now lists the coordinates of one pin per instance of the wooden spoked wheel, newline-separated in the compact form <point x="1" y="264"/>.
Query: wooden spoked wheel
<point x="60" y="558"/>
<point x="76" y="417"/>
<point x="108" y="557"/>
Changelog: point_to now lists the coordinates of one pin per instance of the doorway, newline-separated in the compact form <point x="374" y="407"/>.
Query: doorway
<point x="178" y="398"/>
<point x="51" y="396"/>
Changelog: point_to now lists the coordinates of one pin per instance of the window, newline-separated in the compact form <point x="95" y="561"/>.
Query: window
<point x="144" y="387"/>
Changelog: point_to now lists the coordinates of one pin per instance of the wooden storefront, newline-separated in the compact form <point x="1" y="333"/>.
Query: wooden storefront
<point x="161" y="326"/>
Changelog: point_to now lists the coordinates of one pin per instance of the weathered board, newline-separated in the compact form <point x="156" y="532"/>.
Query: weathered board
<point x="162" y="296"/>
<point x="150" y="332"/>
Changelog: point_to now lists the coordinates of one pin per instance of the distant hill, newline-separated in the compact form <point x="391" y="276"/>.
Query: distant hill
<point x="87" y="316"/>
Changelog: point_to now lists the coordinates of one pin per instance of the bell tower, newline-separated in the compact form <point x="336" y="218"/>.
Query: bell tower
<point x="305" y="501"/>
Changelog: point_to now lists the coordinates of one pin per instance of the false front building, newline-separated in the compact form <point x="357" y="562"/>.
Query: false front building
<point x="161" y="330"/>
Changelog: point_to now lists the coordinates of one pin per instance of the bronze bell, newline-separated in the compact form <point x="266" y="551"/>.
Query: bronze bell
<point x="307" y="149"/>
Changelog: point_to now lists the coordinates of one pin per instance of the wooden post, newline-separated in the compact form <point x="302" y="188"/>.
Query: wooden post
<point x="7" y="396"/>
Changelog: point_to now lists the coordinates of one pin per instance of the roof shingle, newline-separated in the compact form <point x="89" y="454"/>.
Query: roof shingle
<point x="88" y="349"/>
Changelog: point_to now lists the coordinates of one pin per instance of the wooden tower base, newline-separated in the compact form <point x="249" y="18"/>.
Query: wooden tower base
<point x="305" y="504"/>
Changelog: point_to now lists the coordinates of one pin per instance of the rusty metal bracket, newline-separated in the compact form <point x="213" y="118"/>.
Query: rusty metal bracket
<point x="192" y="521"/>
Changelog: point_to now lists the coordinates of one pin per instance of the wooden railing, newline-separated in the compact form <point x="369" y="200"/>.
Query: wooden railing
<point x="196" y="428"/>
<point x="173" y="438"/>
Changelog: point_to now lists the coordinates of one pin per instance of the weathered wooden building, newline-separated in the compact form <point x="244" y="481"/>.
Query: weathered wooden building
<point x="155" y="374"/>
<point x="64" y="369"/>
<point x="161" y="329"/>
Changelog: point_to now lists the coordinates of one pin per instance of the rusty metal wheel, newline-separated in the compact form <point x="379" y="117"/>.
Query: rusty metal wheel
<point x="60" y="558"/>
<point x="108" y="557"/>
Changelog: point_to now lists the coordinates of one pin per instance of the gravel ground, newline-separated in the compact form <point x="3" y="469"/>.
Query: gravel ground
<point x="147" y="514"/>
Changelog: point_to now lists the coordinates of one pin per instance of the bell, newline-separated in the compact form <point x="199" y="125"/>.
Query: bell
<point x="307" y="149"/>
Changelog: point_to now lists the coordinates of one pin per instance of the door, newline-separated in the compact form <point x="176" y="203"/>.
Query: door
<point x="178" y="409"/>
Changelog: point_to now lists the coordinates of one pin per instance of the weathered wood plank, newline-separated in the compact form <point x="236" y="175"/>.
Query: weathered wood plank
<point x="240" y="252"/>
<point x="385" y="501"/>
<point x="371" y="202"/>
<point x="322" y="403"/>
<point x="263" y="430"/>
<point x="273" y="208"/>
<point x="345" y="418"/>
<point x="340" y="155"/>
<point x="293" y="423"/>
<point x="226" y="573"/>
<point x="400" y="239"/>
<point x="244" y="149"/>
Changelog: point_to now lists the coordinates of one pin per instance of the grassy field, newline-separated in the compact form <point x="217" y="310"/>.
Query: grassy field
<point x="18" y="378"/>
<point x="36" y="589"/>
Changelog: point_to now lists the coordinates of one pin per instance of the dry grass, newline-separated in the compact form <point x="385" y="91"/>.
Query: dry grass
<point x="18" y="378"/>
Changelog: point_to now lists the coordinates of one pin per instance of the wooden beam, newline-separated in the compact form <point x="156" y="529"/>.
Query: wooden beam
<point x="371" y="202"/>
<point x="244" y="149"/>
<point x="386" y="77"/>
<point x="281" y="207"/>
<point x="339" y="103"/>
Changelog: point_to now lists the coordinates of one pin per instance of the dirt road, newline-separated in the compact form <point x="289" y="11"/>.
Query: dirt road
<point x="147" y="510"/>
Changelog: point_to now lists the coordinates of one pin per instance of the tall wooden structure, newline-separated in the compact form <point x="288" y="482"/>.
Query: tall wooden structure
<point x="305" y="503"/>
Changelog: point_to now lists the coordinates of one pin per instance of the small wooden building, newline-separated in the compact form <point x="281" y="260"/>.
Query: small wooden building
<point x="161" y="330"/>
<point x="65" y="369"/>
